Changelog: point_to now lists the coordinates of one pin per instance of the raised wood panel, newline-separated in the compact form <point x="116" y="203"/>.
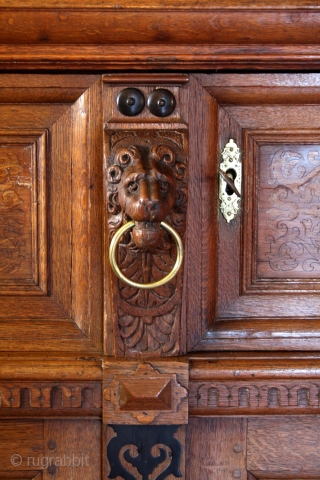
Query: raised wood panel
<point x="52" y="298"/>
<point x="154" y="392"/>
<point x="261" y="292"/>
<point x="23" y="213"/>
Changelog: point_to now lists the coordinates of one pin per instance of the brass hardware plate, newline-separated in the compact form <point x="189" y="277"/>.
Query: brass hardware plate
<point x="230" y="181"/>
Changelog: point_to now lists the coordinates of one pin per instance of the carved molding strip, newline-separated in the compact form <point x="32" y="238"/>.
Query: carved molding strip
<point x="253" y="384"/>
<point x="41" y="398"/>
<point x="273" y="397"/>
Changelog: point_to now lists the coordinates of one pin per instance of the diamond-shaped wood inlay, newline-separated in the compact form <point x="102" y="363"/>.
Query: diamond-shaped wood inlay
<point x="145" y="393"/>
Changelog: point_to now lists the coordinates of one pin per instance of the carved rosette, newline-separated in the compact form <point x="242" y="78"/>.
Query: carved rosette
<point x="147" y="322"/>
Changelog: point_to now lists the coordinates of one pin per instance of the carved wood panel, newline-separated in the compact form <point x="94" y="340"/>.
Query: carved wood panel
<point x="228" y="385"/>
<point x="148" y="321"/>
<point x="288" y="211"/>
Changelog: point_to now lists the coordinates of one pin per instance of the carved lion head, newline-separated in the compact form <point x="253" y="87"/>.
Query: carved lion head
<point x="143" y="185"/>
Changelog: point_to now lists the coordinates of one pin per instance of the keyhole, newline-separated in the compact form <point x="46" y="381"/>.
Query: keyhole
<point x="232" y="175"/>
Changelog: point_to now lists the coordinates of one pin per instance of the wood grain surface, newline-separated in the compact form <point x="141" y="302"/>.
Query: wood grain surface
<point x="150" y="35"/>
<point x="283" y="448"/>
<point x="216" y="449"/>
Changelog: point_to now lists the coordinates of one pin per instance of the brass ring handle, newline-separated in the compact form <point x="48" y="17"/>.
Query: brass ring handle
<point x="167" y="278"/>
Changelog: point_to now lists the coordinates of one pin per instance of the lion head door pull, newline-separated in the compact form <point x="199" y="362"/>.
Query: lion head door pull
<point x="146" y="178"/>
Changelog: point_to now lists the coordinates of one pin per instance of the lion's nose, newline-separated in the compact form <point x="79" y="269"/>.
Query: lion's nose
<point x="149" y="194"/>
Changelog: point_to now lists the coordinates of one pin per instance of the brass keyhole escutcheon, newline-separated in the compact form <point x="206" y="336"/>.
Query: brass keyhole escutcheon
<point x="230" y="181"/>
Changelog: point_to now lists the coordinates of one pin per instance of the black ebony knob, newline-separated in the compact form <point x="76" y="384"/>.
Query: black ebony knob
<point x="130" y="102"/>
<point x="161" y="102"/>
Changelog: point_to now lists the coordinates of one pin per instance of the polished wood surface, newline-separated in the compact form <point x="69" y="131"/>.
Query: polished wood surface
<point x="147" y="170"/>
<point x="180" y="35"/>
<point x="247" y="385"/>
<point x="216" y="448"/>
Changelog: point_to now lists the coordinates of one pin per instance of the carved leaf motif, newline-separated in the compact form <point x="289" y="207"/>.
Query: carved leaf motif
<point x="148" y="333"/>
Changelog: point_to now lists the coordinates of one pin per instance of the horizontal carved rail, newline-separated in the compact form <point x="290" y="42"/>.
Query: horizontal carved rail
<point x="254" y="386"/>
<point x="219" y="385"/>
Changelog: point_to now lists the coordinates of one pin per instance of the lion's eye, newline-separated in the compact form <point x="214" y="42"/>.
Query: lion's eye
<point x="124" y="158"/>
<point x="132" y="187"/>
<point x="164" y="186"/>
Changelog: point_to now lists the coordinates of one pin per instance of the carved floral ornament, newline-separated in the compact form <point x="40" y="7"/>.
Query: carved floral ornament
<point x="146" y="182"/>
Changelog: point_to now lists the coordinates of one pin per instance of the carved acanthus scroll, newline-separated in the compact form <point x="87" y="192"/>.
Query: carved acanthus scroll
<point x="289" y="226"/>
<point x="146" y="182"/>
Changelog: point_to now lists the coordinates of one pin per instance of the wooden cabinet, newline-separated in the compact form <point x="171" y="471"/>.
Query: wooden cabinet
<point x="116" y="113"/>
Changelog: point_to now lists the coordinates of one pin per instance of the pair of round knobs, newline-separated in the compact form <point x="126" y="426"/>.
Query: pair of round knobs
<point x="161" y="102"/>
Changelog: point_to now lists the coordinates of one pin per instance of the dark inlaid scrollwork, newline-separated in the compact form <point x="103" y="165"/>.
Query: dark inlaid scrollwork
<point x="145" y="448"/>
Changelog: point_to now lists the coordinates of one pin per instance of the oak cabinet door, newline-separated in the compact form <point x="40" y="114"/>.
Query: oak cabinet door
<point x="50" y="225"/>
<point x="259" y="271"/>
